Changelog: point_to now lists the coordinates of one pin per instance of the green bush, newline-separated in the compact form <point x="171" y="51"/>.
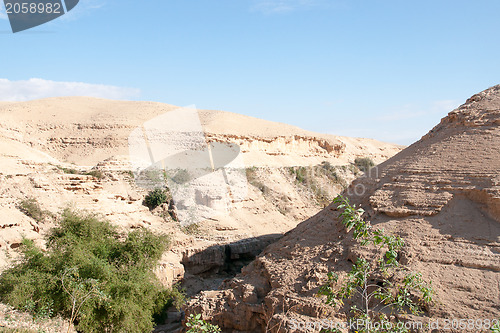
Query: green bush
<point x="69" y="171"/>
<point x="198" y="325"/>
<point x="95" y="173"/>
<point x="371" y="284"/>
<point x="496" y="327"/>
<point x="364" y="163"/>
<point x="72" y="171"/>
<point x="31" y="208"/>
<point x="191" y="229"/>
<point x="302" y="174"/>
<point x="116" y="270"/>
<point x="156" y="197"/>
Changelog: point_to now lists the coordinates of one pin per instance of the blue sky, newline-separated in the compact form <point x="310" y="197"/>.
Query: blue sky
<point x="384" y="69"/>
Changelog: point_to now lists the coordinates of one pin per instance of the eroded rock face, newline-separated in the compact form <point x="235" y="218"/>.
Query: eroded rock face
<point x="442" y="195"/>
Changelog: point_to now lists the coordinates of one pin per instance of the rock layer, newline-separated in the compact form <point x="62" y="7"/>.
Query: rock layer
<point x="86" y="131"/>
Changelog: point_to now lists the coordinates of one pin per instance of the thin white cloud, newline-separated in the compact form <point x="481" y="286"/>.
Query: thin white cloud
<point x="283" y="6"/>
<point x="25" y="90"/>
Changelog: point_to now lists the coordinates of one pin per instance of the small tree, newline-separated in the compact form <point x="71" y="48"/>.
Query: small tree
<point x="30" y="207"/>
<point x="409" y="295"/>
<point x="85" y="259"/>
<point x="80" y="290"/>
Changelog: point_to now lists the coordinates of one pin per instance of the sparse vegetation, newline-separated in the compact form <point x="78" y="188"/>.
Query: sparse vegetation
<point x="154" y="175"/>
<point x="72" y="171"/>
<point x="156" y="197"/>
<point x="301" y="174"/>
<point x="31" y="208"/>
<point x="128" y="173"/>
<point x="364" y="163"/>
<point x="330" y="171"/>
<point x="198" y="325"/>
<point x="69" y="171"/>
<point x="316" y="180"/>
<point x="181" y="176"/>
<point x="109" y="275"/>
<point x="191" y="229"/>
<point x="95" y="173"/>
<point x="370" y="284"/>
<point x="253" y="179"/>
<point x="314" y="177"/>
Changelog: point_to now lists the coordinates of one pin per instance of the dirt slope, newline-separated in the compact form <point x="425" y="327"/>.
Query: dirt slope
<point x="441" y="194"/>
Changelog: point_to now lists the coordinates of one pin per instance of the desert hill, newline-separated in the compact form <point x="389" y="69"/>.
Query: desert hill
<point x="73" y="152"/>
<point x="441" y="194"/>
<point x="86" y="131"/>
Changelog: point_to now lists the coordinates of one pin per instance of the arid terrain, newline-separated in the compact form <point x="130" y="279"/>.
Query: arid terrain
<point x="73" y="152"/>
<point x="441" y="195"/>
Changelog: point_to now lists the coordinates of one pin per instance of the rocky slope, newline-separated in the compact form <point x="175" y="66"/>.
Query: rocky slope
<point x="441" y="194"/>
<point x="74" y="152"/>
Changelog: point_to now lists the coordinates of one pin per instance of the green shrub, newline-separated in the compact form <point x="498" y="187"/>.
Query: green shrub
<point x="116" y="270"/>
<point x="72" y="171"/>
<point x="330" y="172"/>
<point x="31" y="208"/>
<point x="154" y="175"/>
<point x="364" y="163"/>
<point x="302" y="174"/>
<point x="496" y="327"/>
<point x="198" y="325"/>
<point x="370" y="283"/>
<point x="191" y="229"/>
<point x="156" y="197"/>
<point x="129" y="173"/>
<point x="95" y="173"/>
<point x="69" y="171"/>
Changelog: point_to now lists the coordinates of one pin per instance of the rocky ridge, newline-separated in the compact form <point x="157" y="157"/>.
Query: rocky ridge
<point x="441" y="194"/>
